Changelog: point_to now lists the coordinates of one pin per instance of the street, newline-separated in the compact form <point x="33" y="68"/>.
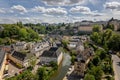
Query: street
<point x="116" y="66"/>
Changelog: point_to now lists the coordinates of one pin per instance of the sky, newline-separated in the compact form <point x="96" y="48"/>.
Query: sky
<point x="58" y="11"/>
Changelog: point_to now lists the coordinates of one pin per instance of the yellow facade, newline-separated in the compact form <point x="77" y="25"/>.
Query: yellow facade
<point x="2" y="67"/>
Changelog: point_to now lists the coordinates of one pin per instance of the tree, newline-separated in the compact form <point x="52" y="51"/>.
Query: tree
<point x="23" y="33"/>
<point x="1" y="41"/>
<point x="5" y="33"/>
<point x="107" y="34"/>
<point x="32" y="34"/>
<point x="64" y="42"/>
<point x="96" y="28"/>
<point x="89" y="77"/>
<point x="41" y="73"/>
<point x="110" y="26"/>
<point x="114" y="42"/>
<point x="16" y="32"/>
<point x="103" y="55"/>
<point x="33" y="62"/>
<point x="97" y="72"/>
<point x="96" y="60"/>
<point x="20" y="24"/>
<point x="96" y="37"/>
<point x="26" y="75"/>
<point x="54" y="65"/>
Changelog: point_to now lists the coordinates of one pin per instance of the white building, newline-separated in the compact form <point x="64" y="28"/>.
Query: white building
<point x="53" y="54"/>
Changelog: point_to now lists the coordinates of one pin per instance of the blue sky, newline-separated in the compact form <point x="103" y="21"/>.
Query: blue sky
<point x="56" y="11"/>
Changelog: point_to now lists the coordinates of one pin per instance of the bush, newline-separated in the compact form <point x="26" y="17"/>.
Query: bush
<point x="19" y="65"/>
<point x="89" y="77"/>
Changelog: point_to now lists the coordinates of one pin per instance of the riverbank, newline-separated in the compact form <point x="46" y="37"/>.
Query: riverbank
<point x="69" y="72"/>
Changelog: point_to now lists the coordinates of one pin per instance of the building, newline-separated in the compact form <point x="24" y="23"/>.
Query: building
<point x="75" y="43"/>
<point x="22" y="59"/>
<point x="3" y="58"/>
<point x="82" y="60"/>
<point x="80" y="68"/>
<point x="53" y="54"/>
<point x="20" y="46"/>
<point x="38" y="48"/>
<point x="115" y="23"/>
<point x="86" y="27"/>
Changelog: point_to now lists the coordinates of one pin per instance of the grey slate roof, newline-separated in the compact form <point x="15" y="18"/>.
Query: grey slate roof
<point x="2" y="55"/>
<point x="19" y="55"/>
<point x="52" y="52"/>
<point x="22" y="56"/>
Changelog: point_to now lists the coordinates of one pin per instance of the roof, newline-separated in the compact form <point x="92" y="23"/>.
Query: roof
<point x="53" y="49"/>
<point x="19" y="55"/>
<point x="74" y="40"/>
<point x="22" y="56"/>
<point x="85" y="54"/>
<point x="53" y="52"/>
<point x="2" y="55"/>
<point x="20" y="43"/>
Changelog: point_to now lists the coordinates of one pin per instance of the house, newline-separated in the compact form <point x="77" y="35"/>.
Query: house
<point x="82" y="60"/>
<point x="115" y="23"/>
<point x="39" y="47"/>
<point x="85" y="55"/>
<point x="73" y="42"/>
<point x="20" y="58"/>
<point x="53" y="54"/>
<point x="3" y="58"/>
<point x="20" y="46"/>
<point x="79" y="69"/>
<point x="86" y="27"/>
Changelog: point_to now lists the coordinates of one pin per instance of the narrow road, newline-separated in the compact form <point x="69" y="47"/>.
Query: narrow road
<point x="116" y="66"/>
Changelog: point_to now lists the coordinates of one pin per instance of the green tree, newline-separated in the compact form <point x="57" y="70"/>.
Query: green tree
<point x="20" y="24"/>
<point x="1" y="41"/>
<point x="97" y="72"/>
<point x="5" y="33"/>
<point x="110" y="26"/>
<point x="89" y="77"/>
<point x="26" y="75"/>
<point x="54" y="65"/>
<point x="64" y="42"/>
<point x="96" y="28"/>
<point x="23" y="34"/>
<point x="96" y="37"/>
<point x="41" y="73"/>
<point x="32" y="34"/>
<point x="96" y="60"/>
<point x="114" y="42"/>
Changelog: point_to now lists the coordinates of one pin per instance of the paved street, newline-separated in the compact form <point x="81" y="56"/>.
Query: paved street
<point x="116" y="66"/>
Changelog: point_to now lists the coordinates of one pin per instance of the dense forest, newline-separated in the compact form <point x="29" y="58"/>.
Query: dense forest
<point x="10" y="33"/>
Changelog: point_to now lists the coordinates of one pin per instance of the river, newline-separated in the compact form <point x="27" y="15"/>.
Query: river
<point x="63" y="68"/>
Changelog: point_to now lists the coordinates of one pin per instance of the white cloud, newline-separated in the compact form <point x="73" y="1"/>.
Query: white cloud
<point x="96" y="13"/>
<point x="38" y="9"/>
<point x="62" y="2"/>
<point x="56" y="11"/>
<point x="46" y="15"/>
<point x="85" y="10"/>
<point x="112" y="5"/>
<point x="19" y="8"/>
<point x="2" y="11"/>
<point x="50" y="11"/>
<point x="80" y="9"/>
